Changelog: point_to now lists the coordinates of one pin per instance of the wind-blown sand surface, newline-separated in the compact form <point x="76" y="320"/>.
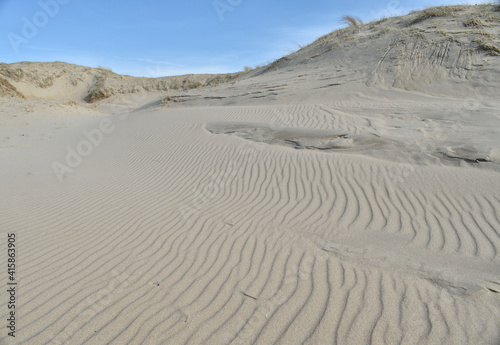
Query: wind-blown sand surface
<point x="347" y="198"/>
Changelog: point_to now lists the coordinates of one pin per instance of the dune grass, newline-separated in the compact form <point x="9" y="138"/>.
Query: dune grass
<point x="352" y="21"/>
<point x="474" y="23"/>
<point x="436" y="12"/>
<point x="104" y="69"/>
<point x="7" y="89"/>
<point x="491" y="49"/>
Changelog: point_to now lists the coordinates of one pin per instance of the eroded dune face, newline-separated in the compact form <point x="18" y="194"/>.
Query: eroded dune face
<point x="64" y="81"/>
<point x="369" y="142"/>
<point x="293" y="137"/>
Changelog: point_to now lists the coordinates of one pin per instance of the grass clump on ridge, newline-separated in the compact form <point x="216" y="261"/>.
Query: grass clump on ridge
<point x="352" y="21"/>
<point x="104" y="69"/>
<point x="474" y="22"/>
<point x="436" y="12"/>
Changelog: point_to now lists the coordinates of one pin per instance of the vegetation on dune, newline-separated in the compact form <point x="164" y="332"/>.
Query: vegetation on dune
<point x="352" y="21"/>
<point x="491" y="49"/>
<point x="474" y="22"/>
<point x="7" y="89"/>
<point x="439" y="11"/>
<point x="104" y="69"/>
<point x="107" y="85"/>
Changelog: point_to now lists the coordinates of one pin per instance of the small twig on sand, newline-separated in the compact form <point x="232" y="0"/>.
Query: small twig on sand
<point x="255" y="298"/>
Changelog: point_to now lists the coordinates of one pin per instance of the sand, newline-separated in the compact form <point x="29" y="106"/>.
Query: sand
<point x="346" y="194"/>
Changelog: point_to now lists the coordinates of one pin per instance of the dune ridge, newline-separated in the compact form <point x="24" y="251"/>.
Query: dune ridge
<point x="59" y="80"/>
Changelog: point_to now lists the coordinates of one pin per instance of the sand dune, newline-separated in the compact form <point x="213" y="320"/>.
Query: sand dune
<point x="360" y="213"/>
<point x="58" y="80"/>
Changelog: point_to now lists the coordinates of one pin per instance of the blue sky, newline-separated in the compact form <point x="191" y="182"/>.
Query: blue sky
<point x="160" y="38"/>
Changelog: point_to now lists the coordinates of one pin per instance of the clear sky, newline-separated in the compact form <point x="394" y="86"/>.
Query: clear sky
<point x="158" y="38"/>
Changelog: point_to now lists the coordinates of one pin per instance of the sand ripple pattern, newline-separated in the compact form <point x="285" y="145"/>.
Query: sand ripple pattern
<point x="179" y="236"/>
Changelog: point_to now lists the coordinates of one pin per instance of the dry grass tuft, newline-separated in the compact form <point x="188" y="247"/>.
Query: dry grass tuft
<point x="435" y="12"/>
<point x="387" y="30"/>
<point x="104" y="69"/>
<point x="277" y="63"/>
<point x="474" y="23"/>
<point x="491" y="49"/>
<point x="167" y="100"/>
<point x="487" y="34"/>
<point x="97" y="94"/>
<point x="352" y="21"/>
<point x="71" y="103"/>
